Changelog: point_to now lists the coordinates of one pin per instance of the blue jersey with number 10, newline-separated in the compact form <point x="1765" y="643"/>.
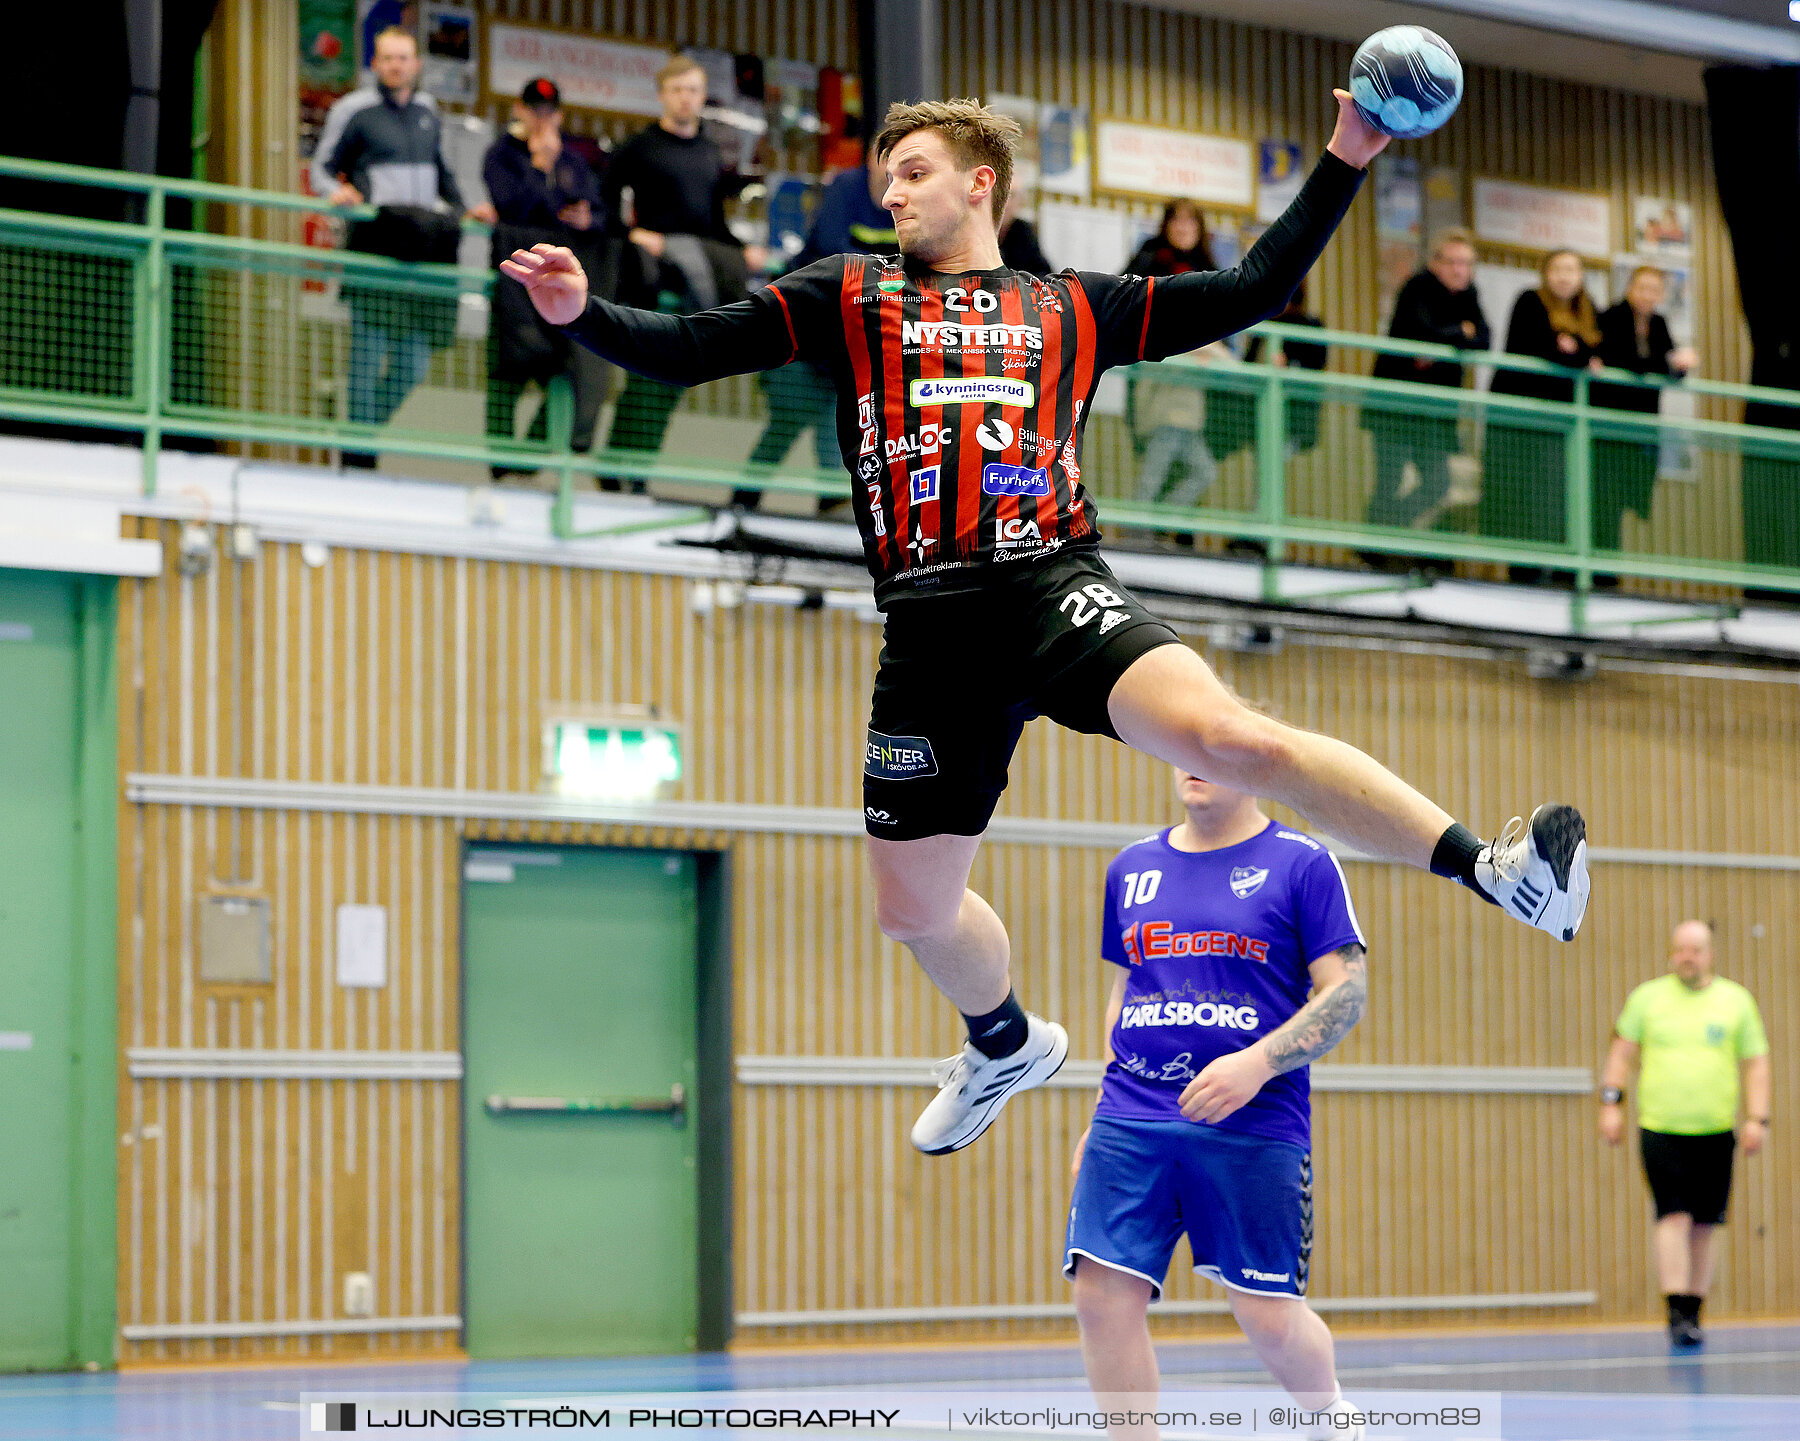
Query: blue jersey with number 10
<point x="1216" y="946"/>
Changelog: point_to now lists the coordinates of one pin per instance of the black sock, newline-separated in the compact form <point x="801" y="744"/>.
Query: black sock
<point x="1455" y="856"/>
<point x="1673" y="1301"/>
<point x="1684" y="1306"/>
<point x="1001" y="1031"/>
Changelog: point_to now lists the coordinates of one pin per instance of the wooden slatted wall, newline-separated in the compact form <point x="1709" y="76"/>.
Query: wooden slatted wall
<point x="247" y="1200"/>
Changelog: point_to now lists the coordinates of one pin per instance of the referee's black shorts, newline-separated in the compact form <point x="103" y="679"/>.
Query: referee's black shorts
<point x="1690" y="1174"/>
<point x="962" y="673"/>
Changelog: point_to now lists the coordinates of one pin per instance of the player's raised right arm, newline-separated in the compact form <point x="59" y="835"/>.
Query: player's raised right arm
<point x="753" y="334"/>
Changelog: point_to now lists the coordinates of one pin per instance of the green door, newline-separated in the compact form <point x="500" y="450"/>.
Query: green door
<point x="581" y="1224"/>
<point x="55" y="1007"/>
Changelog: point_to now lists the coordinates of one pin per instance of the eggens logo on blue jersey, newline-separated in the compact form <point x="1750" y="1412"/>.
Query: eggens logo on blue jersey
<point x="978" y="390"/>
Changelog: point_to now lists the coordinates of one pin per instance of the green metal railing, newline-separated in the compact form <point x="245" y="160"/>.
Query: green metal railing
<point x="157" y="333"/>
<point x="1537" y="485"/>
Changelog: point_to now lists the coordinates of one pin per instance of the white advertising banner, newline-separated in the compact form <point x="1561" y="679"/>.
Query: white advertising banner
<point x="1212" y="169"/>
<point x="592" y="74"/>
<point x="1535" y="217"/>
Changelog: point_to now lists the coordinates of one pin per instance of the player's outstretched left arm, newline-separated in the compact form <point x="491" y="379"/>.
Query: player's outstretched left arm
<point x="1340" y="995"/>
<point x="1192" y="310"/>
<point x="754" y="334"/>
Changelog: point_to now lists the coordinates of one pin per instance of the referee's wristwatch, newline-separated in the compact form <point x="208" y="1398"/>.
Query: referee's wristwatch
<point x="1611" y="1095"/>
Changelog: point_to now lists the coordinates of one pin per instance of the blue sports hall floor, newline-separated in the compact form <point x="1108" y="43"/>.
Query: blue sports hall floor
<point x="1569" y="1385"/>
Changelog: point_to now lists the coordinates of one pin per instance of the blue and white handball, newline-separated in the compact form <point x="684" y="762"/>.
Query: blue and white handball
<point x="1406" y="81"/>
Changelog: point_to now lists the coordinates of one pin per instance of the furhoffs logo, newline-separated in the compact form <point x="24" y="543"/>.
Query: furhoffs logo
<point x="1246" y="881"/>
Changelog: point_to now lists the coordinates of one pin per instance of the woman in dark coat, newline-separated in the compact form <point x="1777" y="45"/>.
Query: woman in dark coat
<point x="1632" y="337"/>
<point x="1167" y="417"/>
<point x="1523" y="475"/>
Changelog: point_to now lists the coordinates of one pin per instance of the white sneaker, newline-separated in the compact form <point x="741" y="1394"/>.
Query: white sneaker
<point x="1538" y="870"/>
<point x="972" y="1088"/>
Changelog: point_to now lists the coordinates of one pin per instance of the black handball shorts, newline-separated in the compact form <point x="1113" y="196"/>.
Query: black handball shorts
<point x="962" y="673"/>
<point x="1689" y="1173"/>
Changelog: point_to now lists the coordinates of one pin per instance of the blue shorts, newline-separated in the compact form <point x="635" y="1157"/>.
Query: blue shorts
<point x="1244" y="1201"/>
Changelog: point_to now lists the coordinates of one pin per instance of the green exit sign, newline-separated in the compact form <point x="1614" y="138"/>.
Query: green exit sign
<point x="627" y="761"/>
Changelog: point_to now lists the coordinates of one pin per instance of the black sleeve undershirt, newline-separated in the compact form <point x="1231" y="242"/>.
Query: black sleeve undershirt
<point x="793" y="318"/>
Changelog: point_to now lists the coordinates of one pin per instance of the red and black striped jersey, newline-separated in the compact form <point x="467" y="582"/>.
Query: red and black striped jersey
<point x="962" y="397"/>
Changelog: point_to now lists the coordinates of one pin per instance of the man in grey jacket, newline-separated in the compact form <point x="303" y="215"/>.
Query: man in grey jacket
<point x="382" y="145"/>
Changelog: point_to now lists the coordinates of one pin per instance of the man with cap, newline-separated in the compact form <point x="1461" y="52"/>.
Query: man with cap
<point x="543" y="192"/>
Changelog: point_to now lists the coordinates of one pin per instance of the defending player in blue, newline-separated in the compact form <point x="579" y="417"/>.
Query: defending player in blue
<point x="1219" y="927"/>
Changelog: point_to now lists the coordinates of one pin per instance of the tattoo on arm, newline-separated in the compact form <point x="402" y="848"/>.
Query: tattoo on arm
<point x="1324" y="1020"/>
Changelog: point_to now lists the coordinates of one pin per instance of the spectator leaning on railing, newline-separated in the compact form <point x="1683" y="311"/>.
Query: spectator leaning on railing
<point x="1439" y="305"/>
<point x="679" y="184"/>
<point x="848" y="220"/>
<point x="543" y="193"/>
<point x="1633" y="336"/>
<point x="382" y="145"/>
<point x="1168" y="417"/>
<point x="1524" y="479"/>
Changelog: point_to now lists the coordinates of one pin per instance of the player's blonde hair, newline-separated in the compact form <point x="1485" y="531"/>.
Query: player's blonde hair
<point x="975" y="135"/>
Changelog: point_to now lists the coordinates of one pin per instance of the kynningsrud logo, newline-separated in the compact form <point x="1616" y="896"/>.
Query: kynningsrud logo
<point x="898" y="758"/>
<point x="991" y="390"/>
<point x="1014" y="480"/>
<point x="333" y="1415"/>
<point x="1246" y="881"/>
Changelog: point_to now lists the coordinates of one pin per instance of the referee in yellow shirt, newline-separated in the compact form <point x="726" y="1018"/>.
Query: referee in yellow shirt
<point x="1697" y="1042"/>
